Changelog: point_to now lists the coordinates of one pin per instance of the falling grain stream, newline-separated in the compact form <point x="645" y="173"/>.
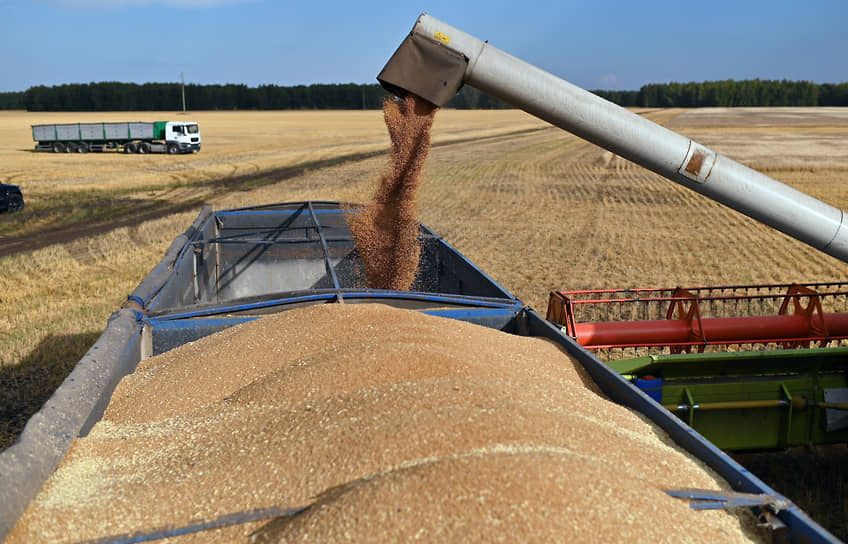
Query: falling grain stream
<point x="386" y="231"/>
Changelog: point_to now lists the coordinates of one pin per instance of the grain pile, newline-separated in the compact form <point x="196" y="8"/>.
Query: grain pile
<point x="386" y="231"/>
<point x="393" y="424"/>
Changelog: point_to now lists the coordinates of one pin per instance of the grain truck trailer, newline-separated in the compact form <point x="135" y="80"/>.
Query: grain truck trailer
<point x="172" y="137"/>
<point x="234" y="266"/>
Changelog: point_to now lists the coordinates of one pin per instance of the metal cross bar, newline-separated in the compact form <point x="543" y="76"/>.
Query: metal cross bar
<point x="330" y="268"/>
<point x="706" y="499"/>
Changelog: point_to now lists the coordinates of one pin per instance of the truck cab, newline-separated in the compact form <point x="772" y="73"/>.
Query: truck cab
<point x="182" y="137"/>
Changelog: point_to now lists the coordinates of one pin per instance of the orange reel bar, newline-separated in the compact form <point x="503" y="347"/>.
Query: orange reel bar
<point x="692" y="320"/>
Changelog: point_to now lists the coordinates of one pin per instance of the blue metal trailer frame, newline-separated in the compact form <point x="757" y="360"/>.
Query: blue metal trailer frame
<point x="232" y="266"/>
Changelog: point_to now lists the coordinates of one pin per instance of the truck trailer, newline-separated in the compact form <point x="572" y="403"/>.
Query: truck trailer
<point x="170" y="137"/>
<point x="231" y="267"/>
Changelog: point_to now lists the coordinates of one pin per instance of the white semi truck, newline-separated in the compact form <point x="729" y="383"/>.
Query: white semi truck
<point x="170" y="137"/>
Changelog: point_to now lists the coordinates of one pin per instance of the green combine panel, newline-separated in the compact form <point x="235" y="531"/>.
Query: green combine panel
<point x="751" y="400"/>
<point x="749" y="367"/>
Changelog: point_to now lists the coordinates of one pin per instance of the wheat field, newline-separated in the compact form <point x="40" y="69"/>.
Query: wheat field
<point x="234" y="143"/>
<point x="536" y="208"/>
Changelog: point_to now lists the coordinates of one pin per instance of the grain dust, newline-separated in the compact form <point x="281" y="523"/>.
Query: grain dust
<point x="389" y="425"/>
<point x="386" y="231"/>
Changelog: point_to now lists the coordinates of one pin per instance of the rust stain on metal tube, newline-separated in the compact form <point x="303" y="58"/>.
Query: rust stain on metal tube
<point x="695" y="163"/>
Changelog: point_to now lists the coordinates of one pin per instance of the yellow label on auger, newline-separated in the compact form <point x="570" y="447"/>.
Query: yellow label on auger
<point x="444" y="38"/>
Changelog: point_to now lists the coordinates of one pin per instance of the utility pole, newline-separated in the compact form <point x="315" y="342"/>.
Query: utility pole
<point x="182" y="79"/>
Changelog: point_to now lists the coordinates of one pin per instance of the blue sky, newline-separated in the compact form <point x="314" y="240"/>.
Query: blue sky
<point x="594" y="44"/>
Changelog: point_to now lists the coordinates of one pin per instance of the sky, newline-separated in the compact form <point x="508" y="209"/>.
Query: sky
<point x="595" y="44"/>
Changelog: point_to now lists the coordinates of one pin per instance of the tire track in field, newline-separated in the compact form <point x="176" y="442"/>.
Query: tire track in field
<point x="678" y="235"/>
<point x="191" y="197"/>
<point x="481" y="199"/>
<point x="589" y="219"/>
<point x="689" y="239"/>
<point x="520" y="219"/>
<point x="620" y="225"/>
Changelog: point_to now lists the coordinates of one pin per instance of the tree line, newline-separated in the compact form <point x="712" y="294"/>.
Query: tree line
<point x="731" y="93"/>
<point x="115" y="96"/>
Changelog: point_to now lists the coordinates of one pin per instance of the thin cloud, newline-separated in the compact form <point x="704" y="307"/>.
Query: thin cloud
<point x="135" y="3"/>
<point x="609" y="80"/>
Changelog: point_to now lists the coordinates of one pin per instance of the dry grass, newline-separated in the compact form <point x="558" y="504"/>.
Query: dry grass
<point x="536" y="210"/>
<point x="234" y="143"/>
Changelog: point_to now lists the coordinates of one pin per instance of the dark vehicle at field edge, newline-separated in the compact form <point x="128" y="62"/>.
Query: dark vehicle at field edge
<point x="11" y="198"/>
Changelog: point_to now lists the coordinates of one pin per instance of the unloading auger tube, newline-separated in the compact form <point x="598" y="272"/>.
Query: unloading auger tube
<point x="436" y="59"/>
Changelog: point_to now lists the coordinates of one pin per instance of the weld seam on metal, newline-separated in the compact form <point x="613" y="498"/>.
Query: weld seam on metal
<point x="836" y="234"/>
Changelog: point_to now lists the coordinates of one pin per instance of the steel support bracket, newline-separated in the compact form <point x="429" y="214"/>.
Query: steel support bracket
<point x="692" y="315"/>
<point x="812" y="312"/>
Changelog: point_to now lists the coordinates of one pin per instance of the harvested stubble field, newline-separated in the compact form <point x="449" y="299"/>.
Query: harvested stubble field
<point x="534" y="207"/>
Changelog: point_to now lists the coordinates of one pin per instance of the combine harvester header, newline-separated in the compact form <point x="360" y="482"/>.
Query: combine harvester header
<point x="734" y="362"/>
<point x="695" y="318"/>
